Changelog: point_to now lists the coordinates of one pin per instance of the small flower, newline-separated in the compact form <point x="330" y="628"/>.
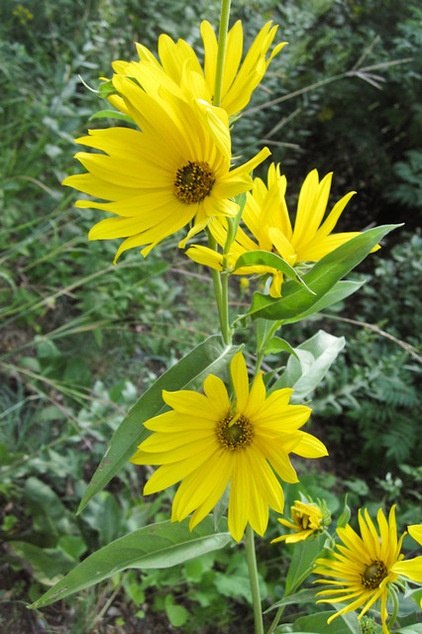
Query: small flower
<point x="362" y="568"/>
<point x="412" y="568"/>
<point x="306" y="519"/>
<point x="23" y="14"/>
<point x="179" y="62"/>
<point x="268" y="227"/>
<point x="172" y="171"/>
<point x="209" y="441"/>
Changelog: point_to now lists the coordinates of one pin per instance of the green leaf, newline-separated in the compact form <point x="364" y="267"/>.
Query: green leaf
<point x="47" y="564"/>
<point x="301" y="565"/>
<point x="156" y="546"/>
<point x="298" y="598"/>
<point x="274" y="261"/>
<point x="211" y="356"/>
<point x="277" y="344"/>
<point x="411" y="629"/>
<point x="296" y="301"/>
<point x="340" y="291"/>
<point x="317" y="624"/>
<point x="305" y="371"/>
<point x="176" y="614"/>
<point x="345" y="515"/>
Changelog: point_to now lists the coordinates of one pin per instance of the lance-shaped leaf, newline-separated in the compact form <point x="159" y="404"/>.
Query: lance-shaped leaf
<point x="341" y="290"/>
<point x="272" y="260"/>
<point x="210" y="357"/>
<point x="156" y="546"/>
<point x="296" y="300"/>
<point x="305" y="371"/>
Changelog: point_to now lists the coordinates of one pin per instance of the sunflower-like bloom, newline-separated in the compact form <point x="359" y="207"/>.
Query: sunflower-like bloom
<point x="179" y="61"/>
<point x="306" y="519"/>
<point x="173" y="170"/>
<point x="209" y="441"/>
<point x="363" y="567"/>
<point x="412" y="568"/>
<point x="268" y="227"/>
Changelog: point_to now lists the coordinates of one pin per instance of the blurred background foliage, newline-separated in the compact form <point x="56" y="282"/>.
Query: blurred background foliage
<point x="81" y="338"/>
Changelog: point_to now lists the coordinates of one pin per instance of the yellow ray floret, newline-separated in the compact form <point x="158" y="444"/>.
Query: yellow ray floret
<point x="174" y="170"/>
<point x="211" y="441"/>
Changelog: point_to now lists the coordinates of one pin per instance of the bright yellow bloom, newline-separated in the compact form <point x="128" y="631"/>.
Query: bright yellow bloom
<point x="306" y="520"/>
<point x="209" y="441"/>
<point x="268" y="227"/>
<point x="412" y="568"/>
<point x="173" y="170"/>
<point x="179" y="62"/>
<point x="362" y="569"/>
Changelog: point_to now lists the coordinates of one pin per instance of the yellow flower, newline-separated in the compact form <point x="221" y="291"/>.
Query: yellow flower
<point x="412" y="568"/>
<point x="362" y="569"/>
<point x="306" y="520"/>
<point x="174" y="170"/>
<point x="179" y="62"/>
<point x="209" y="441"/>
<point x="268" y="227"/>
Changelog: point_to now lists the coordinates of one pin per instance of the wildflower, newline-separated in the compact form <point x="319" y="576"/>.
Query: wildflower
<point x="306" y="519"/>
<point x="412" y="568"/>
<point x="362" y="571"/>
<point x="23" y="14"/>
<point x="172" y="171"/>
<point x="179" y="62"/>
<point x="209" y="441"/>
<point x="268" y="227"/>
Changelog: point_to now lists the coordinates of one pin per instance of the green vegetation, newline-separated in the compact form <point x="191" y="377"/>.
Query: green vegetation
<point x="81" y="339"/>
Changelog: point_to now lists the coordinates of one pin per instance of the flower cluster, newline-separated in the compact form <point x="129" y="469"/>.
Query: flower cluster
<point x="170" y="169"/>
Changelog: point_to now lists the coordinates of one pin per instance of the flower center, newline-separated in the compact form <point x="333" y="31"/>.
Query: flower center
<point x="374" y="574"/>
<point x="234" y="432"/>
<point x="193" y="182"/>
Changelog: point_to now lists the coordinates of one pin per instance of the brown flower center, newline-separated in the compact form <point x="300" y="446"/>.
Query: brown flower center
<point x="374" y="574"/>
<point x="193" y="182"/>
<point x="234" y="432"/>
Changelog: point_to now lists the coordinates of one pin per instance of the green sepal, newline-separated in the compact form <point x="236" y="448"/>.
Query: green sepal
<point x="112" y="114"/>
<point x="210" y="357"/>
<point x="159" y="545"/>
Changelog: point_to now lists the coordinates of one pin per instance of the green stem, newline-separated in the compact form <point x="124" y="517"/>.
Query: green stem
<point x="221" y="53"/>
<point x="221" y="295"/>
<point x="276" y="619"/>
<point x="253" y="579"/>
<point x="395" y="602"/>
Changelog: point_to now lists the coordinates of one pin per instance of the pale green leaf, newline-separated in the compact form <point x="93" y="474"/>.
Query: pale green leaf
<point x="305" y="371"/>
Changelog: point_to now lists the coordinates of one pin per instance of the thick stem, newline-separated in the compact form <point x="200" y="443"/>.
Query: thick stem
<point x="253" y="579"/>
